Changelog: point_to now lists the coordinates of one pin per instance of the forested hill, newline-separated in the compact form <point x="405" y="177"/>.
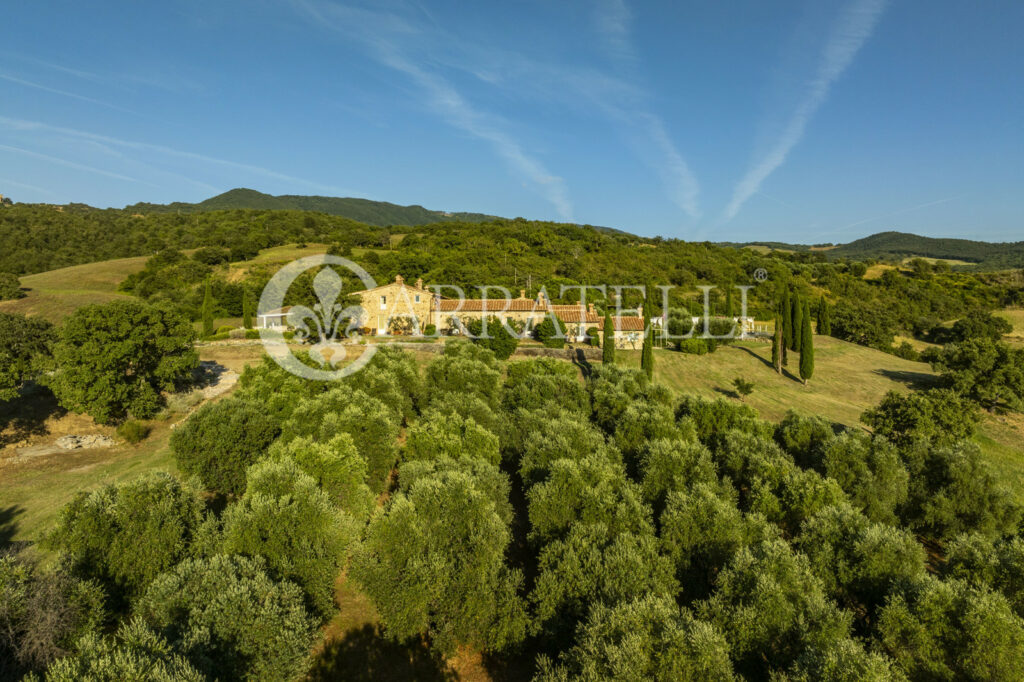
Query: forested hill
<point x="379" y="213"/>
<point x="901" y="244"/>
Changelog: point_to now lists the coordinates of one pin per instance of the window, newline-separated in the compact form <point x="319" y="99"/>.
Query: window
<point x="417" y="298"/>
<point x="383" y="302"/>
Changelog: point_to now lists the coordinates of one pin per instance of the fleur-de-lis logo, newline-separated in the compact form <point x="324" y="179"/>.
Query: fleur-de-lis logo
<point x="325" y="326"/>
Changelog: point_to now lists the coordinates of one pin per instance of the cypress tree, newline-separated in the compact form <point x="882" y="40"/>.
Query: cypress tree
<point x="824" y="318"/>
<point x="777" y="347"/>
<point x="806" y="347"/>
<point x="647" y="353"/>
<point x="207" y="311"/>
<point x="787" y="319"/>
<point x="608" y="343"/>
<point x="798" y="314"/>
<point x="728" y="302"/>
<point x="247" y="308"/>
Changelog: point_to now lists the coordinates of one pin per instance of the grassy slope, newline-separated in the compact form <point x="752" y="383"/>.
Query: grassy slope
<point x="1016" y="318"/>
<point x="848" y="379"/>
<point x="56" y="294"/>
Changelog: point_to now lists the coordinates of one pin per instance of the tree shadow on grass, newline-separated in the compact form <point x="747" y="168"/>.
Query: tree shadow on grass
<point x="365" y="654"/>
<point x="768" y="363"/>
<point x="26" y="415"/>
<point x="8" y="525"/>
<point x="915" y="380"/>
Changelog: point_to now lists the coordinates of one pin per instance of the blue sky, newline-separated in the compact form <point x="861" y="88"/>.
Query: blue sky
<point x="814" y="121"/>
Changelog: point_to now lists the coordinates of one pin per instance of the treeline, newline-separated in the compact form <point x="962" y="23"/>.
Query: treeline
<point x="606" y="530"/>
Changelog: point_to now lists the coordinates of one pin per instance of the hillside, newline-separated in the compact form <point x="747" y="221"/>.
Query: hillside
<point x="380" y="213"/>
<point x="900" y="245"/>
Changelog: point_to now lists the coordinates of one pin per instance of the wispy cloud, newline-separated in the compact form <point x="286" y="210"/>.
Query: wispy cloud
<point x="612" y="20"/>
<point x="71" y="164"/>
<point x="851" y="30"/>
<point x="389" y="37"/>
<point x="36" y="126"/>
<point x="64" y="93"/>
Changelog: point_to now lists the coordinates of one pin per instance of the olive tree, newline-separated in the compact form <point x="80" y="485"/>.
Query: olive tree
<point x="440" y="434"/>
<point x="221" y="440"/>
<point x="287" y="520"/>
<point x="230" y="619"/>
<point x="336" y="466"/>
<point x="434" y="564"/>
<point x="124" y="535"/>
<point x="22" y="340"/>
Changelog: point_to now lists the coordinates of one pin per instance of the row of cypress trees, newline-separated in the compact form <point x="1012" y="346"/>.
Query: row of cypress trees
<point x="793" y="332"/>
<point x="248" y="307"/>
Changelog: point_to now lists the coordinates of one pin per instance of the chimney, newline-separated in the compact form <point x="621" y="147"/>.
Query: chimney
<point x="640" y="310"/>
<point x="590" y="309"/>
<point x="522" y="293"/>
<point x="419" y="283"/>
<point x="398" y="279"/>
<point x="540" y="297"/>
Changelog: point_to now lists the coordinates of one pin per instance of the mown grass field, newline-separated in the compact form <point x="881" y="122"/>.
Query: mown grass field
<point x="1016" y="318"/>
<point x="55" y="294"/>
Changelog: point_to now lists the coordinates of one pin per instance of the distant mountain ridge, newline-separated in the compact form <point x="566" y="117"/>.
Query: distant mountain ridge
<point x="379" y="213"/>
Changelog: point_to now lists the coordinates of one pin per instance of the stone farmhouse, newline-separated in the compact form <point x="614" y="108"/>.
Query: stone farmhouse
<point x="401" y="309"/>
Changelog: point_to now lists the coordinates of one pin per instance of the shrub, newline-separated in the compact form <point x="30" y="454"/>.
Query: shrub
<point x="221" y="440"/>
<point x="743" y="387"/>
<point x="124" y="535"/>
<point x="230" y="619"/>
<point x="940" y="416"/>
<point x="225" y="329"/>
<point x="594" y="337"/>
<point x="694" y="346"/>
<point x="133" y="431"/>
<point x="23" y="342"/>
<point x="906" y="351"/>
<point x="550" y="334"/>
<point x="211" y="255"/>
<point x="986" y="371"/>
<point x="498" y="339"/>
<point x="10" y="287"/>
<point x="430" y="330"/>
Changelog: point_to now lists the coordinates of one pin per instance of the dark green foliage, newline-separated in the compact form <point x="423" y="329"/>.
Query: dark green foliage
<point x="983" y="370"/>
<point x="866" y="323"/>
<point x="642" y="422"/>
<point x="953" y="490"/>
<point x="544" y="383"/>
<point x="135" y="652"/>
<point x="701" y="531"/>
<point x="487" y="478"/>
<point x="497" y="338"/>
<point x="42" y="614"/>
<point x="647" y="350"/>
<point x="276" y="389"/>
<point x="589" y="490"/>
<point x="806" y="346"/>
<point x="608" y="345"/>
<point x="669" y="465"/>
<point x="714" y="418"/>
<point x="123" y="536"/>
<point x="798" y="322"/>
<point x="561" y="436"/>
<point x="207" y="310"/>
<point x="221" y="440"/>
<point x="133" y="431"/>
<point x="978" y="560"/>
<point x="980" y="324"/>
<point x="649" y="638"/>
<point x="336" y="466"/>
<point x="594" y="565"/>
<point x="447" y="435"/>
<point x="22" y="341"/>
<point x="10" y="287"/>
<point x="939" y="416"/>
<point x="230" y="620"/>
<point x="248" y="308"/>
<point x="211" y="255"/>
<point x="824" y="318"/>
<point x="593" y="337"/>
<point x="787" y="318"/>
<point x="113" y="360"/>
<point x="777" y="343"/>
<point x="373" y="428"/>
<point x="857" y="561"/>
<point x="947" y="630"/>
<point x="771" y="608"/>
<point x="469" y="406"/>
<point x="433" y="564"/>
<point x="454" y="374"/>
<point x="871" y="473"/>
<point x="804" y="438"/>
<point x="285" y="518"/>
<point x="550" y="333"/>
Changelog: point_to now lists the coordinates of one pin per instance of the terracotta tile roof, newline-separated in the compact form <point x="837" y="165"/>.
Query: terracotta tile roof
<point x="495" y="305"/>
<point x="572" y="314"/>
<point x="628" y="324"/>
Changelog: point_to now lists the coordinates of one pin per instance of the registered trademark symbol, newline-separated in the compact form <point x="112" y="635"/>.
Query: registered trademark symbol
<point x="760" y="274"/>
